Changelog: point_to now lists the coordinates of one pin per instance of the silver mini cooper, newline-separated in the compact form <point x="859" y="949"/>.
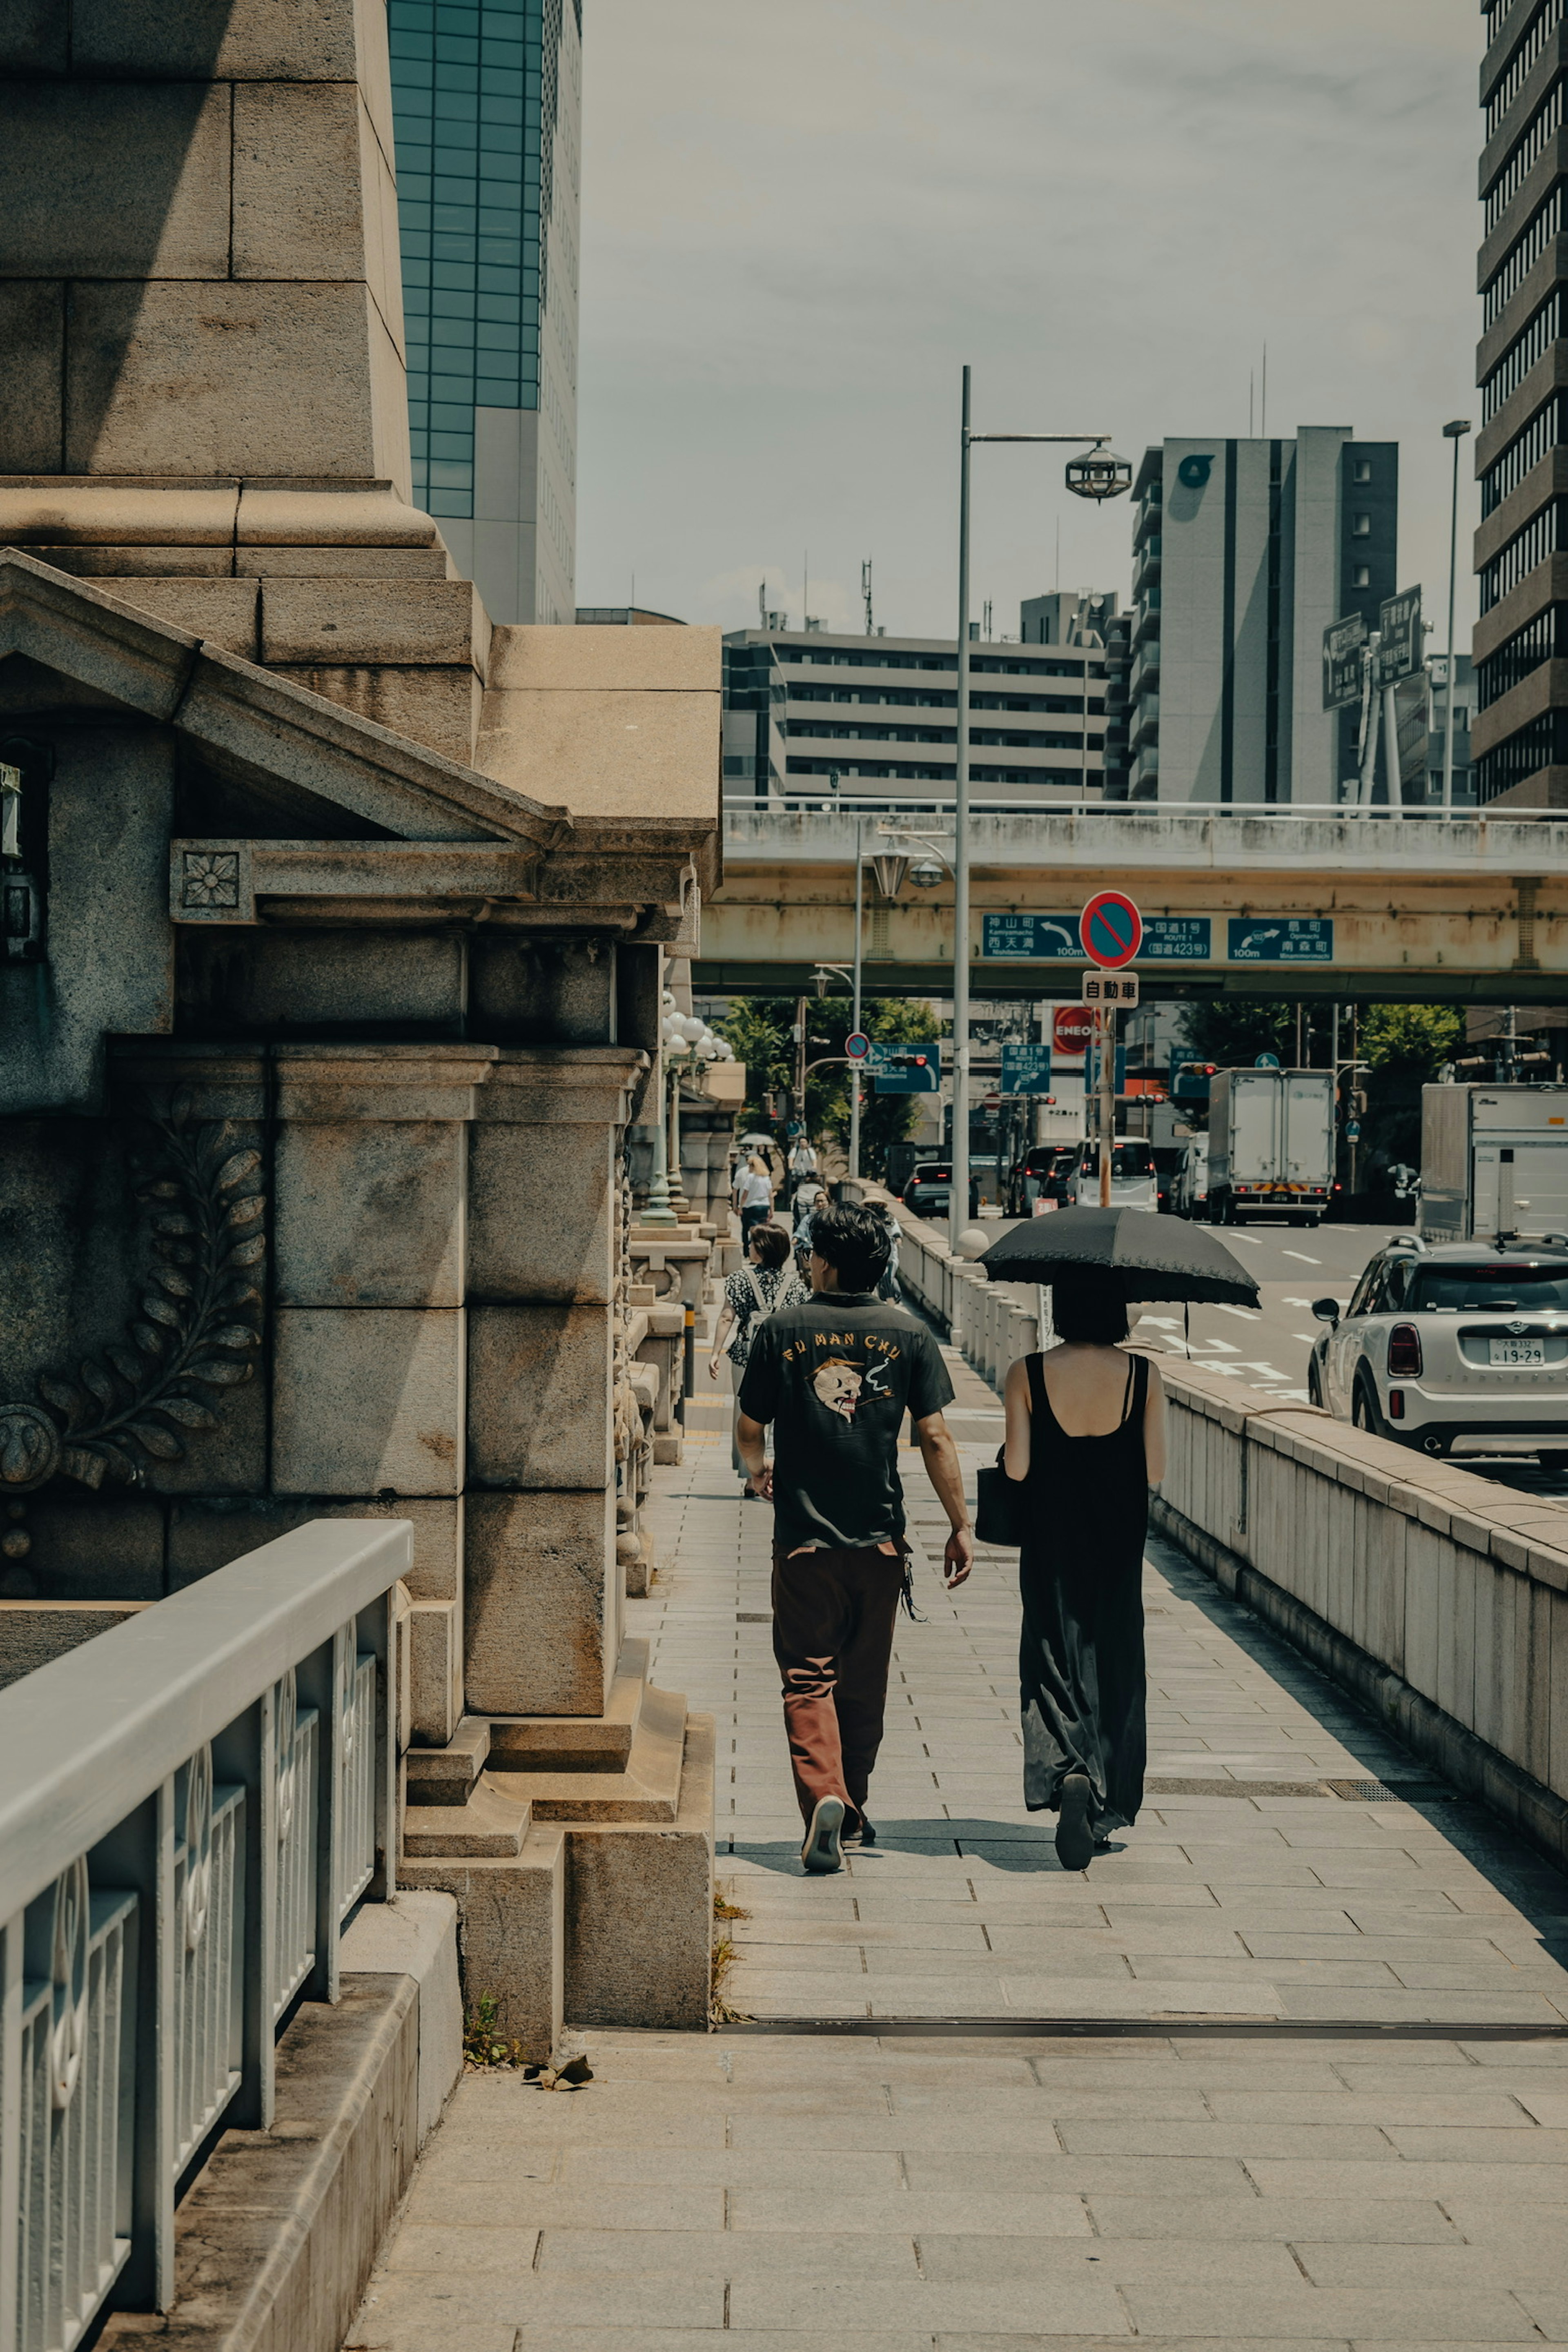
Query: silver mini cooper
<point x="1460" y="1347"/>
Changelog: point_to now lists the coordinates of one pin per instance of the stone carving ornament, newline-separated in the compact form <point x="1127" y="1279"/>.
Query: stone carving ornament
<point x="193" y="1334"/>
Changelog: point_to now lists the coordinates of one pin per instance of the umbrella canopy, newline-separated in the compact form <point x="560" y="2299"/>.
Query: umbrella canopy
<point x="1159" y="1257"/>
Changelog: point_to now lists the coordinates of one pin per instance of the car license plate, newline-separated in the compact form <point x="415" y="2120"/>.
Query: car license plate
<point x="1518" y="1351"/>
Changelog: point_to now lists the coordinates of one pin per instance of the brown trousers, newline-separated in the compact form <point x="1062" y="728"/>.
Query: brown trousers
<point x="832" y="1637"/>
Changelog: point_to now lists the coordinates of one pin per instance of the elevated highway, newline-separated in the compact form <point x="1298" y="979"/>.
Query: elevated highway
<point x="1245" y="904"/>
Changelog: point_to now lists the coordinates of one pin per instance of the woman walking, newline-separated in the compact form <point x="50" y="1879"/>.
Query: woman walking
<point x="766" y="1279"/>
<point x="756" y="1195"/>
<point x="1086" y="1437"/>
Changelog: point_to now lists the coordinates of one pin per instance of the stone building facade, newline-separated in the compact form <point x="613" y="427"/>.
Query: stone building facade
<point x="335" y="929"/>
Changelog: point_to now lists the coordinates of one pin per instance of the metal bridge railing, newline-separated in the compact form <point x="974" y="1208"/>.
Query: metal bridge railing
<point x="938" y="803"/>
<point x="190" y="1805"/>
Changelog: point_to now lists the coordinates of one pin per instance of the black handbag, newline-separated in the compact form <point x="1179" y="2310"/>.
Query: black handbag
<point x="1000" y="1512"/>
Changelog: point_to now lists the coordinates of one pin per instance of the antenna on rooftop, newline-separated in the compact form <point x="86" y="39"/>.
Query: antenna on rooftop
<point x="866" y="594"/>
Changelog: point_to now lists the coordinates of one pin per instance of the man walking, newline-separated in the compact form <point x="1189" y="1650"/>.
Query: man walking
<point x="836" y="1376"/>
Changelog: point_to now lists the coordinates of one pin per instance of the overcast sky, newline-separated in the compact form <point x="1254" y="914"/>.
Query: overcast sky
<point x="801" y="217"/>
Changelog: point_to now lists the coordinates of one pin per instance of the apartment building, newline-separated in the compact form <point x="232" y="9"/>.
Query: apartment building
<point x="1520" y="740"/>
<point x="880" y="714"/>
<point x="1244" y="552"/>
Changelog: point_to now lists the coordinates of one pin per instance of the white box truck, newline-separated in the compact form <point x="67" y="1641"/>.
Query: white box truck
<point x="1494" y="1159"/>
<point x="1271" y="1145"/>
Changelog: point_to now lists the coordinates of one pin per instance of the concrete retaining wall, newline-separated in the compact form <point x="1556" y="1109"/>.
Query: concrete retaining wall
<point x="1439" y="1599"/>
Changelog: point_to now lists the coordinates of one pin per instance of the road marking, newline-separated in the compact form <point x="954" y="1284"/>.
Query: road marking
<point x="1249" y="1239"/>
<point x="1214" y="1347"/>
<point x="1302" y="1256"/>
<point x="1310" y="1337"/>
<point x="1247" y="1313"/>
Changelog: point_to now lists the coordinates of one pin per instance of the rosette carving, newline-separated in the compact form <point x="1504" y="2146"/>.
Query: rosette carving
<point x="196" y="1332"/>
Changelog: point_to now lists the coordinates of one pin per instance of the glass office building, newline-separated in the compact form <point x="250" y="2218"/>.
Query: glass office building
<point x="487" y="100"/>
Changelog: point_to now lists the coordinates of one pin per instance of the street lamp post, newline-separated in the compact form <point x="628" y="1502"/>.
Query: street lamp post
<point x="855" y="1016"/>
<point x="1098" y="475"/>
<point x="1455" y="433"/>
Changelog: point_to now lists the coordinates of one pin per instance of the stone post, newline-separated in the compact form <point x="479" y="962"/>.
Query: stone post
<point x="370" y="1349"/>
<point x="545" y="1591"/>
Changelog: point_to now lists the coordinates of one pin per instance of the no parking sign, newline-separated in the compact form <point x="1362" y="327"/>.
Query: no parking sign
<point x="1111" y="930"/>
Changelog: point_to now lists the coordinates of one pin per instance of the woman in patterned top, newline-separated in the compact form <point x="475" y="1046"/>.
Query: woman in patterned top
<point x="767" y="1279"/>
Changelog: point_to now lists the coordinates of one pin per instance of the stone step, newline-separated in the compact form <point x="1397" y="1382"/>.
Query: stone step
<point x="576" y="1743"/>
<point x="646" y="1788"/>
<point x="513" y="1910"/>
<point x="444" y="1775"/>
<point x="493" y="1821"/>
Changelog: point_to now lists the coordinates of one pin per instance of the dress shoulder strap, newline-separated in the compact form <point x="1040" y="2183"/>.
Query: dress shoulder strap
<point x="1039" y="1402"/>
<point x="1137" y="1393"/>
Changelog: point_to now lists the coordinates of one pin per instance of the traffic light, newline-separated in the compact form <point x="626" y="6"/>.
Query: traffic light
<point x="1190" y="1081"/>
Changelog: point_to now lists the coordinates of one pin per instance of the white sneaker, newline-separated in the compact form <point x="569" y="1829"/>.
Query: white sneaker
<point x="820" y="1850"/>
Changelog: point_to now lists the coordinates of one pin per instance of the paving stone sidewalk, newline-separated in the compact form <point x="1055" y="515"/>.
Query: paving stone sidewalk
<point x="805" y="2192"/>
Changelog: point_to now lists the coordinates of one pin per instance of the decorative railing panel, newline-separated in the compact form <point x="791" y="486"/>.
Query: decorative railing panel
<point x="209" y="1906"/>
<point x="294" y="1911"/>
<point x="181" y="1841"/>
<point x="72" y="2056"/>
<point x="357" y="1764"/>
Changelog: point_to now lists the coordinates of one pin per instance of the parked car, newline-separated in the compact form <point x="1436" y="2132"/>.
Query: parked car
<point x="1455" y="1347"/>
<point x="1190" y="1192"/>
<point x="1167" y="1167"/>
<point x="1040" y="1174"/>
<point x="1133" y="1182"/>
<point x="929" y="1190"/>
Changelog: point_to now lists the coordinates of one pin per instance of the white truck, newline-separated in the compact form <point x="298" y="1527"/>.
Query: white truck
<point x="1271" y="1145"/>
<point x="1494" y="1161"/>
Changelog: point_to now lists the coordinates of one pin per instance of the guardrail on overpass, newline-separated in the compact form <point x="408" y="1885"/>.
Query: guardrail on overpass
<point x="1438" y="1599"/>
<point x="192" y="1804"/>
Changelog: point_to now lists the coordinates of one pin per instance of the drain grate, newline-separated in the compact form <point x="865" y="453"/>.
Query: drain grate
<point x="1395" y="1793"/>
<point x="754" y="1616"/>
<point x="1185" y="1787"/>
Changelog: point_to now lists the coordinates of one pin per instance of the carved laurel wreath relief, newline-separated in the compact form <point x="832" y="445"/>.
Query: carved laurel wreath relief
<point x="194" y="1334"/>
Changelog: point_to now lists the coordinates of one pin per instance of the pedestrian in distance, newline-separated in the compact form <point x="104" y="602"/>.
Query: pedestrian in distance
<point x="1086" y="1437"/>
<point x="807" y="1198"/>
<point x="766" y="1280"/>
<point x="756" y="1195"/>
<point x="834" y="1377"/>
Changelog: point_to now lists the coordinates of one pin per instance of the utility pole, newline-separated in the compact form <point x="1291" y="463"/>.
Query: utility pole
<point x="958" y="1196"/>
<point x="1368" y="719"/>
<point x="799" y="1066"/>
<point x="855" y="1018"/>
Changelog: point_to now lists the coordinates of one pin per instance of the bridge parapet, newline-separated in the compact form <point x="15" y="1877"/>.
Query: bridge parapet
<point x="191" y="1807"/>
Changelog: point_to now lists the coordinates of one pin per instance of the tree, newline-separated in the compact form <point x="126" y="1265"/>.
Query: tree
<point x="1231" y="1030"/>
<point x="759" y="1029"/>
<point x="1403" y="1046"/>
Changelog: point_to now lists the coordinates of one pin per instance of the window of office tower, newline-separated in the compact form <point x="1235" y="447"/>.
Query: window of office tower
<point x="474" y="92"/>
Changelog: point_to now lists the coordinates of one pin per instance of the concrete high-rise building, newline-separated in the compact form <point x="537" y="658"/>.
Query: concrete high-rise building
<point x="488" y="101"/>
<point x="1520" y="645"/>
<point x="1244" y="552"/>
<point x="882" y="713"/>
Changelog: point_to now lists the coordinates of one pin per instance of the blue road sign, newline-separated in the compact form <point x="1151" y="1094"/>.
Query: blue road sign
<point x="1054" y="939"/>
<point x="1176" y="938"/>
<point x="1281" y="938"/>
<point x="905" y="1069"/>
<point x="1025" y="1069"/>
<point x="1051" y="938"/>
<point x="1267" y="1062"/>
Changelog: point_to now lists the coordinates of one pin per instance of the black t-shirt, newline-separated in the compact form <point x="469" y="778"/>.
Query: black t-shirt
<point x="836" y="1377"/>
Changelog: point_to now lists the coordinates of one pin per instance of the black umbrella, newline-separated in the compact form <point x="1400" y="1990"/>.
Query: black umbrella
<point x="1160" y="1257"/>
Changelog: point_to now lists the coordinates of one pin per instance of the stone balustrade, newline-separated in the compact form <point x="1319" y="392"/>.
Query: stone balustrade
<point x="993" y="1323"/>
<point x="1439" y="1599"/>
<point x="195" y="1803"/>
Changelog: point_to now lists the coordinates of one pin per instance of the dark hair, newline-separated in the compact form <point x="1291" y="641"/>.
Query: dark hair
<point x="771" y="1243"/>
<point x="854" y="1241"/>
<point x="1090" y="1305"/>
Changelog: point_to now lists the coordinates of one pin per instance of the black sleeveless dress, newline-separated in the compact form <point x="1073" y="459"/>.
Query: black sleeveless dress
<point x="1080" y="1655"/>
